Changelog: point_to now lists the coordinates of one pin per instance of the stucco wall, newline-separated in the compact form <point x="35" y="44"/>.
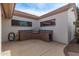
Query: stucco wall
<point x="63" y="31"/>
<point x="7" y="28"/>
<point x="60" y="30"/>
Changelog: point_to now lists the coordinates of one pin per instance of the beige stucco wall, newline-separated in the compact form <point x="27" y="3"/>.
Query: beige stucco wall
<point x="60" y="33"/>
<point x="7" y="28"/>
<point x="60" y="30"/>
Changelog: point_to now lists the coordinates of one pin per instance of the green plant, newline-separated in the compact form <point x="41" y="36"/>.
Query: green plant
<point x="76" y="23"/>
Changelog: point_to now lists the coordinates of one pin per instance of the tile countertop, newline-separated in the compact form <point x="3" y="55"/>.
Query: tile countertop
<point x="39" y="30"/>
<point x="72" y="48"/>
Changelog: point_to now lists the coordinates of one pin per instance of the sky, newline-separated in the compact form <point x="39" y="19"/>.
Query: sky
<point x="38" y="8"/>
<point x="77" y="4"/>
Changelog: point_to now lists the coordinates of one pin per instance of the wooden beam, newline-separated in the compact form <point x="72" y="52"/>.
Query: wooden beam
<point x="8" y="9"/>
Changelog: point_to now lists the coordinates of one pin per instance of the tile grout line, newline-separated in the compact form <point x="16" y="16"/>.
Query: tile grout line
<point x="45" y="52"/>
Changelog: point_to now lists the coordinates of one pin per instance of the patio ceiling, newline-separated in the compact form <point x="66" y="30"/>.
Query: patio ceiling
<point x="7" y="10"/>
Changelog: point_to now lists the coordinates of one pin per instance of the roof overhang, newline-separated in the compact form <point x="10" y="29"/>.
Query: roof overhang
<point x="25" y="15"/>
<point x="7" y="9"/>
<point x="60" y="10"/>
<point x="57" y="11"/>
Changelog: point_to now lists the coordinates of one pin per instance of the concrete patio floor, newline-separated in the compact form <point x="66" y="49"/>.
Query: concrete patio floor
<point x="33" y="47"/>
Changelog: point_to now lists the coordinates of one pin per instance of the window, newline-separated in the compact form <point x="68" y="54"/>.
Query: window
<point x="21" y="23"/>
<point x="48" y="23"/>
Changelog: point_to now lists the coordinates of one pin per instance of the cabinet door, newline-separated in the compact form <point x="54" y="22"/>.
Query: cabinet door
<point x="44" y="36"/>
<point x="25" y="35"/>
<point x="35" y="35"/>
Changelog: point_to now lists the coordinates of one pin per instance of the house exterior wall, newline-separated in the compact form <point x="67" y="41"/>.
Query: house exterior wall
<point x="7" y="28"/>
<point x="71" y="26"/>
<point x="63" y="31"/>
<point x="60" y="30"/>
